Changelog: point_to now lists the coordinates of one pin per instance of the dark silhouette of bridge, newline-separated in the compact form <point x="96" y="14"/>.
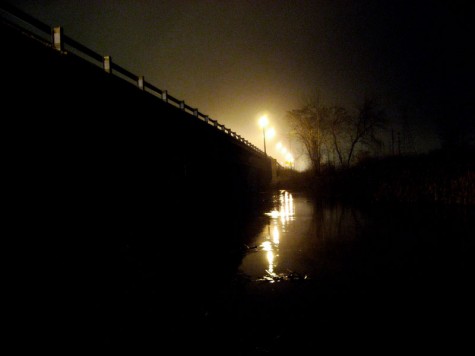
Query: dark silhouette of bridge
<point x="115" y="190"/>
<point x="80" y="127"/>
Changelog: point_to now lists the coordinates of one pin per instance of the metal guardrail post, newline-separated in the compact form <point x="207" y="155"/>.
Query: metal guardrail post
<point x="107" y="64"/>
<point x="182" y="105"/>
<point x="57" y="38"/>
<point x="206" y="118"/>
<point x="140" y="82"/>
<point x="164" y="95"/>
<point x="195" y="112"/>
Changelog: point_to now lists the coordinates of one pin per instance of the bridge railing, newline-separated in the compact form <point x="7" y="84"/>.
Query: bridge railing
<point x="55" y="38"/>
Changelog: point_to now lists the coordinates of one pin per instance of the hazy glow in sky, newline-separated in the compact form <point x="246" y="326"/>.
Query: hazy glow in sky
<point x="236" y="60"/>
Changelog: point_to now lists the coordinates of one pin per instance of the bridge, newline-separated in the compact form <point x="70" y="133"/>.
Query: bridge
<point x="82" y="128"/>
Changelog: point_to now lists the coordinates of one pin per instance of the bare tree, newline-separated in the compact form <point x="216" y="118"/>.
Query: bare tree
<point x="307" y="124"/>
<point x="364" y="127"/>
<point x="338" y="128"/>
<point x="329" y="131"/>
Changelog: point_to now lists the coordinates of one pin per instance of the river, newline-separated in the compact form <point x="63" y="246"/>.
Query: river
<point x="293" y="276"/>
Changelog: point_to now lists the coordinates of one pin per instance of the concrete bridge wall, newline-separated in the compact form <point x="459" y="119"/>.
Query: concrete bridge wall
<point x="89" y="154"/>
<point x="74" y="126"/>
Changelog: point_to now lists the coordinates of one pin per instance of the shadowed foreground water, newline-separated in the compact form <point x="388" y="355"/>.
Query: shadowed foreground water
<point x="290" y="277"/>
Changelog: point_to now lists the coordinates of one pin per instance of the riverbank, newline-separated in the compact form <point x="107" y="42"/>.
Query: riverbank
<point x="440" y="177"/>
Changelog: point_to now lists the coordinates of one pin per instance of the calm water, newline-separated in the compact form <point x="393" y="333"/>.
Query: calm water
<point x="294" y="235"/>
<point x="291" y="276"/>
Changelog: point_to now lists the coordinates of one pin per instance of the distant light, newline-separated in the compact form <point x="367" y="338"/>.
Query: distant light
<point x="263" y="121"/>
<point x="273" y="214"/>
<point x="270" y="133"/>
<point x="279" y="146"/>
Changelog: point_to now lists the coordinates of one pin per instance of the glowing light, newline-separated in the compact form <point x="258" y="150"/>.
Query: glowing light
<point x="263" y="121"/>
<point x="270" y="133"/>
<point x="270" y="259"/>
<point x="286" y="210"/>
<point x="271" y="236"/>
<point x="266" y="246"/>
<point x="291" y="206"/>
<point x="283" y="218"/>
<point x="274" y="214"/>
<point x="279" y="146"/>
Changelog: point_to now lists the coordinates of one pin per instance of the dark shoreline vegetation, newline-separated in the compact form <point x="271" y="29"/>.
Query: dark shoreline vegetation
<point x="440" y="177"/>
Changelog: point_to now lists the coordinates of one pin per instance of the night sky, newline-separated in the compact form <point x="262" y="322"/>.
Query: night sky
<point x="235" y="60"/>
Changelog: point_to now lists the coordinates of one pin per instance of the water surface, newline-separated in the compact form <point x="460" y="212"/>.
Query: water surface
<point x="293" y="276"/>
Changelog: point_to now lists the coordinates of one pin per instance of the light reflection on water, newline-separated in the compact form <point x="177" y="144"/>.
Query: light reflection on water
<point x="262" y="263"/>
<point x="295" y="236"/>
<point x="380" y="265"/>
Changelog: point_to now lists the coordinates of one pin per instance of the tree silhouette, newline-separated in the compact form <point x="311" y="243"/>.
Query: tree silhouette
<point x="329" y="131"/>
